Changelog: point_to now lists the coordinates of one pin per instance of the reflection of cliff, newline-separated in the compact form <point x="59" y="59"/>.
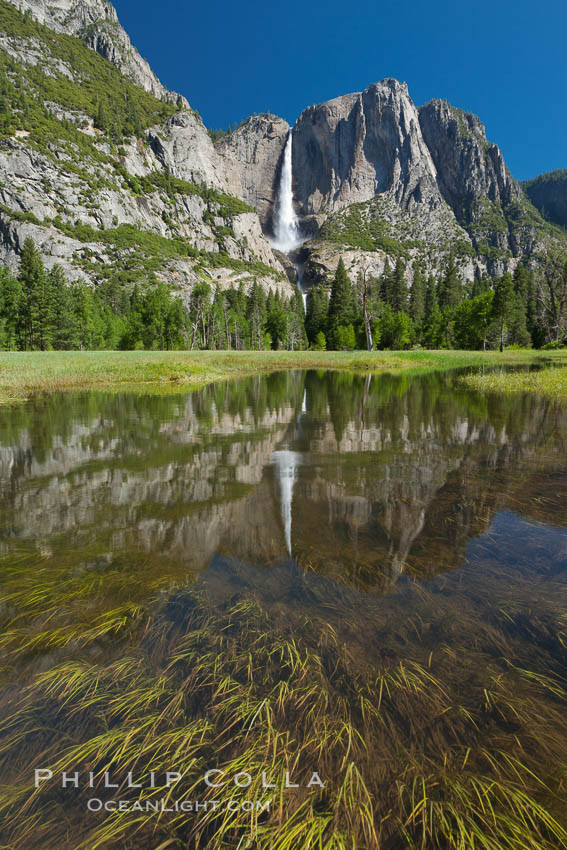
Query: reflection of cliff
<point x="362" y="482"/>
<point x="404" y="487"/>
<point x="179" y="484"/>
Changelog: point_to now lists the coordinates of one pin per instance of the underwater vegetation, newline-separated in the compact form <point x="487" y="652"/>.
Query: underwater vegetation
<point x="411" y="652"/>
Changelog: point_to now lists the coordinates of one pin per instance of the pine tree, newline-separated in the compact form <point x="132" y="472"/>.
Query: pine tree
<point x="401" y="331"/>
<point x="518" y="330"/>
<point x="256" y="314"/>
<point x="502" y="303"/>
<point x="450" y="295"/>
<point x="276" y="323"/>
<point x="341" y="303"/>
<point x="433" y="325"/>
<point x="297" y="338"/>
<point x="220" y="331"/>
<point x="10" y="298"/>
<point x="317" y="313"/>
<point x="83" y="316"/>
<point x="63" y="329"/>
<point x="102" y="121"/>
<point x="399" y="288"/>
<point x="31" y="277"/>
<point x="155" y="305"/>
<point x="385" y="327"/>
<point x="417" y="297"/>
<point x="450" y="286"/>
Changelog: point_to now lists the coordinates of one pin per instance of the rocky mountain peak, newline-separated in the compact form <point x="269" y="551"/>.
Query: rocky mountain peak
<point x="468" y="166"/>
<point x="96" y="22"/>
<point x="355" y="147"/>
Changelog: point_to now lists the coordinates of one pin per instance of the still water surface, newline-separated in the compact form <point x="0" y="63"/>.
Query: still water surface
<point x="420" y="522"/>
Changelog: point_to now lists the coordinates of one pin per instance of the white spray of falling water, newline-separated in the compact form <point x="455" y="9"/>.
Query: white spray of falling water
<point x="286" y="227"/>
<point x="287" y="234"/>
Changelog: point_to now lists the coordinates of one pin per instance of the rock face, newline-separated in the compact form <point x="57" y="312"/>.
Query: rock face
<point x="97" y="209"/>
<point x="362" y="145"/>
<point x="96" y="22"/>
<point x="425" y="175"/>
<point x="34" y="187"/>
<point x="548" y="194"/>
<point x="468" y="166"/>
<point x="474" y="179"/>
<point x="184" y="147"/>
<point x="374" y="177"/>
<point x="251" y="158"/>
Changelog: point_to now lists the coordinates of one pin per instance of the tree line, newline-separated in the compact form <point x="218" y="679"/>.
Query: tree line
<point x="525" y="309"/>
<point x="40" y="311"/>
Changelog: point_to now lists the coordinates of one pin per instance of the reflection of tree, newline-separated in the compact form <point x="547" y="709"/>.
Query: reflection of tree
<point x="403" y="478"/>
<point x="397" y="472"/>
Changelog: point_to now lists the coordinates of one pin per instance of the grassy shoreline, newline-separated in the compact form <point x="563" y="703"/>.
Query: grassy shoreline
<point x="551" y="383"/>
<point x="25" y="374"/>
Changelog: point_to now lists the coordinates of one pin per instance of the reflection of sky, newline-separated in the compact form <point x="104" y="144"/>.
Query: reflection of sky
<point x="287" y="464"/>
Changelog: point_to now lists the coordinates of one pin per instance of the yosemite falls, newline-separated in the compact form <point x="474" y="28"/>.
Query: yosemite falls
<point x="287" y="233"/>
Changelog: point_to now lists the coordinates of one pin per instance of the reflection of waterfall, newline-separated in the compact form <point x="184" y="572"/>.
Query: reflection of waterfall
<point x="287" y="464"/>
<point x="299" y="268"/>
<point x="287" y="234"/>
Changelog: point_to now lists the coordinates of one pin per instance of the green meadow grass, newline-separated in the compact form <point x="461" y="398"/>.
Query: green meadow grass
<point x="23" y="374"/>
<point x="547" y="382"/>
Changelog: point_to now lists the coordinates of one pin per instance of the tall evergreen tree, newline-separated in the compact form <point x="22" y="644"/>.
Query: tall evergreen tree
<point x="277" y="322"/>
<point x="417" y="297"/>
<point x="317" y="313"/>
<point x="297" y="338"/>
<point x="401" y="331"/>
<point x="502" y="303"/>
<point x="450" y="286"/>
<point x="256" y="314"/>
<point x="518" y="333"/>
<point x="399" y="288"/>
<point x="32" y="279"/>
<point x="433" y="323"/>
<point x="10" y="300"/>
<point x="341" y="304"/>
<point x="63" y="327"/>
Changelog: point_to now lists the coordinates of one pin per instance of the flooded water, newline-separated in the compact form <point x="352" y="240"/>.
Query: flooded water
<point x="358" y="578"/>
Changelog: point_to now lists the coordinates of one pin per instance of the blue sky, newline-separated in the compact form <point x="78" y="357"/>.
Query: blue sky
<point x="505" y="61"/>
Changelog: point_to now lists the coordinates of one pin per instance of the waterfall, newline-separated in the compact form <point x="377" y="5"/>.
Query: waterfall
<point x="286" y="227"/>
<point x="287" y="233"/>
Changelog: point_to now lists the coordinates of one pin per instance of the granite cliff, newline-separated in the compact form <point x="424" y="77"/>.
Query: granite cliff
<point x="96" y="23"/>
<point x="375" y="176"/>
<point x="112" y="175"/>
<point x="548" y="193"/>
